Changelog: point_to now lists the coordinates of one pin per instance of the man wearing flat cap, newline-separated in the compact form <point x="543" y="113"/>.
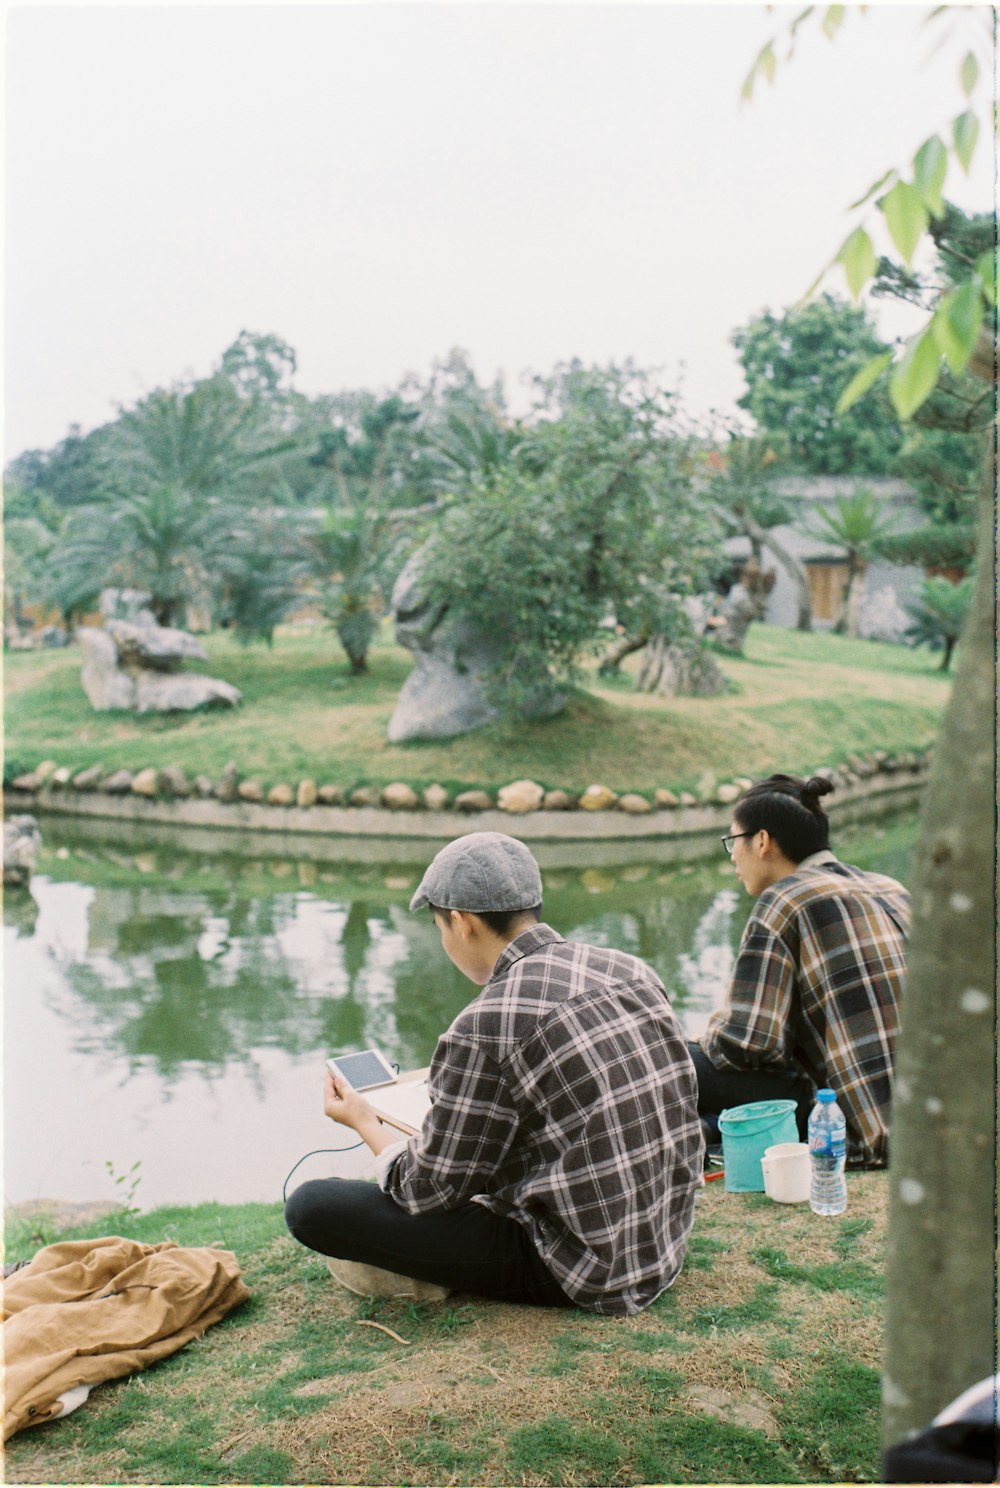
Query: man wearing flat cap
<point x="559" y="1160"/>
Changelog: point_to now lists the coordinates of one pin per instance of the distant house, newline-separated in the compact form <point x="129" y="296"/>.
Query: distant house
<point x="888" y="585"/>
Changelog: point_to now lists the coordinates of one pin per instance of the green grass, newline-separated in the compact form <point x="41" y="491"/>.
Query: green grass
<point x="798" y="701"/>
<point x="759" y="1367"/>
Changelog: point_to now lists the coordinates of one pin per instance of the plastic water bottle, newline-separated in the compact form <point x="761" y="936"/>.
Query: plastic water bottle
<point x="827" y="1155"/>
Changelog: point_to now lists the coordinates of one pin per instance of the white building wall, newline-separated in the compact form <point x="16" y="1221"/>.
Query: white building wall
<point x="888" y="586"/>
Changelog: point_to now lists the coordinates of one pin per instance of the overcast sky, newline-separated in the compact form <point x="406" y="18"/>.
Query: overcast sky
<point x="378" y="183"/>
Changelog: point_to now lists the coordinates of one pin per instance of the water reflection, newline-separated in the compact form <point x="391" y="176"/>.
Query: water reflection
<point x="178" y="1004"/>
<point x="202" y="975"/>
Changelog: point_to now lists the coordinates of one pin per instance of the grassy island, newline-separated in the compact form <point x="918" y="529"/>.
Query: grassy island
<point x="798" y="701"/>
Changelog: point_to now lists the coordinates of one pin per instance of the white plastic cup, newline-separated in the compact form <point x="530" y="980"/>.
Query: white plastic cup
<point x="786" y="1172"/>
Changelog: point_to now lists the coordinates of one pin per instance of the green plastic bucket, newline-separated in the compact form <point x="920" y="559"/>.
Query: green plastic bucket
<point x="746" y="1132"/>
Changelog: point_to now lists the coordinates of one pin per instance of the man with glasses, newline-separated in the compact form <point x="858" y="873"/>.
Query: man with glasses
<point x="815" y="994"/>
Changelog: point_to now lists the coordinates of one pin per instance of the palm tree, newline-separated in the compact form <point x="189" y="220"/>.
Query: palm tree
<point x="179" y="467"/>
<point x="351" y="555"/>
<point x="938" y="615"/>
<point x="363" y="515"/>
<point x="857" y="525"/>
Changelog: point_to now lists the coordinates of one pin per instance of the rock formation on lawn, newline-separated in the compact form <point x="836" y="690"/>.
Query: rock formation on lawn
<point x="133" y="663"/>
<point x="446" y="692"/>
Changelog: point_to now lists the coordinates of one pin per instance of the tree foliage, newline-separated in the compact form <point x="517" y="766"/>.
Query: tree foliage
<point x="943" y="445"/>
<point x="594" y="517"/>
<point x="938" y="615"/>
<point x="796" y="364"/>
<point x="902" y="206"/>
<point x="361" y="509"/>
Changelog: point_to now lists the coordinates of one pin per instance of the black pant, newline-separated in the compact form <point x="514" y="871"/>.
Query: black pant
<point x="720" y="1090"/>
<point x="470" y="1249"/>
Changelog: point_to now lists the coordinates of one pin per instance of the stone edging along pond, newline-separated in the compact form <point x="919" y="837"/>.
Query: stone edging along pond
<point x="866" y="786"/>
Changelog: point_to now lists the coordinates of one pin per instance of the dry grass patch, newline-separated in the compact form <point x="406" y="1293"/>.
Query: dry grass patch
<point x="723" y="1379"/>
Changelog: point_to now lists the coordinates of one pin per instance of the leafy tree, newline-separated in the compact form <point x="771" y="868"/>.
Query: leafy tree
<point x="260" y="571"/>
<point x="176" y="466"/>
<point x="70" y="474"/>
<point x="797" y="364"/>
<point x="938" y="615"/>
<point x="464" y="435"/>
<point x="742" y="487"/>
<point x="27" y="545"/>
<point x="857" y="524"/>
<point x="596" y="515"/>
<point x="959" y="331"/>
<point x="943" y="445"/>
<point x="260" y="367"/>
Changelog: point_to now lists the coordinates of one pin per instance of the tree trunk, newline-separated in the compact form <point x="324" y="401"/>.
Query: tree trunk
<point x="941" y="1298"/>
<point x="616" y="654"/>
<point x="679" y="669"/>
<point x="356" y="631"/>
<point x="854" y="599"/>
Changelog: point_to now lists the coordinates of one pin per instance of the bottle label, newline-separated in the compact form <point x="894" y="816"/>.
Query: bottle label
<point x="828" y="1144"/>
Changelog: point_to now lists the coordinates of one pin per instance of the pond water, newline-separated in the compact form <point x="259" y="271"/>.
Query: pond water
<point x="169" y="1001"/>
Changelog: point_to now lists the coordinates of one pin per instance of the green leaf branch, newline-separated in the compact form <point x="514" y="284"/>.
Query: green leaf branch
<point x="907" y="202"/>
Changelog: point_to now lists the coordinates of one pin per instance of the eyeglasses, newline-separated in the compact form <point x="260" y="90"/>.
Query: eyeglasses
<point x="727" y="842"/>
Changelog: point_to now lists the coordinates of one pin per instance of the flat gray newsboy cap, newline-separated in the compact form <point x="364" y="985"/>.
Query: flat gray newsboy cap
<point x="483" y="872"/>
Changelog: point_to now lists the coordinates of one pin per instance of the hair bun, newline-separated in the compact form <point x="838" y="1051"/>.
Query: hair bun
<point x="817" y="786"/>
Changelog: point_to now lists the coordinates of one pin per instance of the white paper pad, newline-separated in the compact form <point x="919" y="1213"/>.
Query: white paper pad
<point x="407" y="1103"/>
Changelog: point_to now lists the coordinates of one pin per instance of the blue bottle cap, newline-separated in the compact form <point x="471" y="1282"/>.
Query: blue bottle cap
<point x="826" y="1095"/>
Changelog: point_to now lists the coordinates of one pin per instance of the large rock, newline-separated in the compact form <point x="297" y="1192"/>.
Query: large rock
<point x="88" y="779"/>
<point x="118" y="784"/>
<point x="174" y="781"/>
<point x="558" y="800"/>
<point x="159" y="647"/>
<point x="36" y="778"/>
<point x="598" y="798"/>
<point x="21" y="841"/>
<point x="183" y="692"/>
<point x="473" y="800"/>
<point x="520" y="795"/>
<point x="227" y="789"/>
<point x="446" y="693"/>
<point x="633" y="804"/>
<point x="400" y="797"/>
<point x="132" y="664"/>
<point x="108" y="689"/>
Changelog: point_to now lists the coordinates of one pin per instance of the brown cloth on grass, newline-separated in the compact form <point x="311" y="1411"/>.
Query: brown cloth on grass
<point x="90" y="1310"/>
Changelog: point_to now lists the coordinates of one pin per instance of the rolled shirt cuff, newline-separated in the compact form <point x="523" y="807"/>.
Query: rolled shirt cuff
<point x="385" y="1160"/>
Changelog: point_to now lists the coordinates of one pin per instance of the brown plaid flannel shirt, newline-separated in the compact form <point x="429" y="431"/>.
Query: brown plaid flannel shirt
<point x="817" y="987"/>
<point x="564" y="1098"/>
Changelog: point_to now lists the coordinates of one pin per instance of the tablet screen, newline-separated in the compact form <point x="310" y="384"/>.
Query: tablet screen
<point x="365" y="1070"/>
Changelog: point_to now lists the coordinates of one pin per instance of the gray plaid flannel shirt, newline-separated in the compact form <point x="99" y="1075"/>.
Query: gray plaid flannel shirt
<point x="564" y="1097"/>
<point x="817" y="987"/>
